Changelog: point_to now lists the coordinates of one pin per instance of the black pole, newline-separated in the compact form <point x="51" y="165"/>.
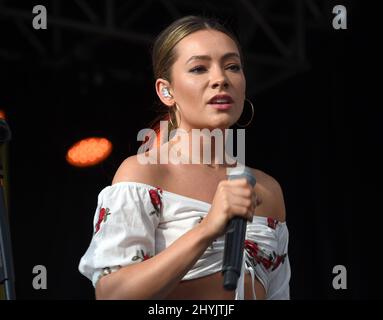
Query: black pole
<point x="7" y="275"/>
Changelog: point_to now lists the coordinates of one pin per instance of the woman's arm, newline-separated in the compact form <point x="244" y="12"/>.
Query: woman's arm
<point x="156" y="277"/>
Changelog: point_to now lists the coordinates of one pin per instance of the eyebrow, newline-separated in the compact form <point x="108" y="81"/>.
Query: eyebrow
<point x="206" y="57"/>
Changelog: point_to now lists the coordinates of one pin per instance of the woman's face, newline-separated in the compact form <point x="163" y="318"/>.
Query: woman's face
<point x="208" y="65"/>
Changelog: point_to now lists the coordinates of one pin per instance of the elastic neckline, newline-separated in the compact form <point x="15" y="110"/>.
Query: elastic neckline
<point x="177" y="195"/>
<point x="172" y="194"/>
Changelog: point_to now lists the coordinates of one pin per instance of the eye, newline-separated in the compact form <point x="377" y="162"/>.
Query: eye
<point x="234" y="67"/>
<point x="198" y="69"/>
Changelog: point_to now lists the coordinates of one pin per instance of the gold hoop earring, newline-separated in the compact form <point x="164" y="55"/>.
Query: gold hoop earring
<point x="252" y="115"/>
<point x="170" y="116"/>
<point x="170" y="119"/>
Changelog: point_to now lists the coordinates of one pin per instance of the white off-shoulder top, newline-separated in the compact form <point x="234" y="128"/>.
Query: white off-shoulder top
<point x="135" y="221"/>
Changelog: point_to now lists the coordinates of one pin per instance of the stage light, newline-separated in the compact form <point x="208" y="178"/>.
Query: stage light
<point x="89" y="152"/>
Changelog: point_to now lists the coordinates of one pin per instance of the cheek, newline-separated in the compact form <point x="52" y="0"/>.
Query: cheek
<point x="242" y="85"/>
<point x="190" y="88"/>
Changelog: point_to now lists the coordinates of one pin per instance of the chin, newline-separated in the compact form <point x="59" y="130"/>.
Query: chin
<point x="223" y="123"/>
<point x="220" y="125"/>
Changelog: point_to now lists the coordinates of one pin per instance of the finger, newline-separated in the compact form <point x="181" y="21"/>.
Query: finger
<point x="239" y="210"/>
<point x="242" y="194"/>
<point x="238" y="182"/>
<point x="241" y="202"/>
<point x="241" y="189"/>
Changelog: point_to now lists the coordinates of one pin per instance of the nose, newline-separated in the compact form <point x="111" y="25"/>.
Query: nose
<point x="219" y="80"/>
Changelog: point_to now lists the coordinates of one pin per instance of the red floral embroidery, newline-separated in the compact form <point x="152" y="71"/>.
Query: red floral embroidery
<point x="103" y="215"/>
<point x="141" y="255"/>
<point x="272" y="223"/>
<point x="155" y="197"/>
<point x="259" y="256"/>
<point x="146" y="257"/>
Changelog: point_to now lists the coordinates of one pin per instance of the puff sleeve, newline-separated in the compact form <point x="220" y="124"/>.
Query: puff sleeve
<point x="124" y="225"/>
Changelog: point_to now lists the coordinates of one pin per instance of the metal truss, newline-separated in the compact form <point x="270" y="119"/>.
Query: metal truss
<point x="273" y="33"/>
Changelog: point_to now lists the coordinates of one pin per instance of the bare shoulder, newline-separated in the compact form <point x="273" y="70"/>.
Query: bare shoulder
<point x="133" y="170"/>
<point x="270" y="191"/>
<point x="267" y="181"/>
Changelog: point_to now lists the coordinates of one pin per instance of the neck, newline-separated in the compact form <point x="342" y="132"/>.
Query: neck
<point x="207" y="147"/>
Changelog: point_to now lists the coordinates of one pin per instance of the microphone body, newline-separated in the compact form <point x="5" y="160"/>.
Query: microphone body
<point x="235" y="237"/>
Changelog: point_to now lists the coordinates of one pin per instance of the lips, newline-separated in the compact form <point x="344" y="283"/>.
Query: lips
<point x="221" y="99"/>
<point x="221" y="102"/>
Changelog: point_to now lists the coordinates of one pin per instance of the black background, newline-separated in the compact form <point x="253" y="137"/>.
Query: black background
<point x="316" y="133"/>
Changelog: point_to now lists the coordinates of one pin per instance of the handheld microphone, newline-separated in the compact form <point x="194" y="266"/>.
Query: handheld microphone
<point x="235" y="237"/>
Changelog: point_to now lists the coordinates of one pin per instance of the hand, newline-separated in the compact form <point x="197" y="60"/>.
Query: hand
<point x="232" y="198"/>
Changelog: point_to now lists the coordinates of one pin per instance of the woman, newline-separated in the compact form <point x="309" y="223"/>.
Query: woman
<point x="159" y="228"/>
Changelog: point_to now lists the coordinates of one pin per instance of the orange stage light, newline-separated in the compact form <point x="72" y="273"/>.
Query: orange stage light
<point x="89" y="152"/>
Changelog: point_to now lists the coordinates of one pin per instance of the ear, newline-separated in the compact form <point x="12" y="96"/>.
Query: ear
<point x="161" y="84"/>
